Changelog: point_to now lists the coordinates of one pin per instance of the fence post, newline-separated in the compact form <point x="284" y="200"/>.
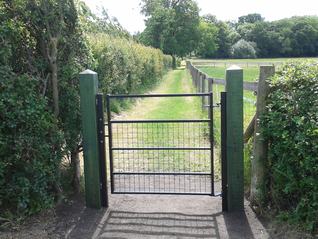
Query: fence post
<point x="260" y="149"/>
<point x="88" y="91"/>
<point x="192" y="72"/>
<point x="197" y="79"/>
<point x="203" y="77"/>
<point x="210" y="89"/>
<point x="234" y="151"/>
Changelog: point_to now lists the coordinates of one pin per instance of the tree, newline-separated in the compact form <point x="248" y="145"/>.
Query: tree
<point x="225" y="37"/>
<point x="51" y="46"/>
<point x="102" y="23"/>
<point x="243" y="49"/>
<point x="171" y="25"/>
<point x="250" y="18"/>
<point x="207" y="33"/>
<point x="209" y="18"/>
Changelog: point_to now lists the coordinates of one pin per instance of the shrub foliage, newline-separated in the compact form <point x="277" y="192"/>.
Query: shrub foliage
<point x="291" y="127"/>
<point x="244" y="50"/>
<point x="126" y="67"/>
<point x="27" y="145"/>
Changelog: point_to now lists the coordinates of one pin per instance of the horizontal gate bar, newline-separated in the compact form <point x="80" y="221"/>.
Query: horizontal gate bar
<point x="161" y="148"/>
<point x="162" y="173"/>
<point x="158" y="95"/>
<point x="163" y="192"/>
<point x="162" y="121"/>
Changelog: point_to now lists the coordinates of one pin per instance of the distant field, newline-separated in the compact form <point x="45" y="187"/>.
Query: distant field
<point x="251" y="60"/>
<point x="244" y="63"/>
<point x="249" y="74"/>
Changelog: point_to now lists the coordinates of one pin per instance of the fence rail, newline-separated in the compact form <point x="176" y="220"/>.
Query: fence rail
<point x="199" y="76"/>
<point x="238" y="63"/>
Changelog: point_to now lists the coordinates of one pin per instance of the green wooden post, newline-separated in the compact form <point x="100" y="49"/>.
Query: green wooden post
<point x="235" y="160"/>
<point x="88" y="90"/>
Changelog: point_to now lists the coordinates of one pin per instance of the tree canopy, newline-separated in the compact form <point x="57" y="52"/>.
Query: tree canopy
<point x="250" y="18"/>
<point x="293" y="37"/>
<point x="171" y="25"/>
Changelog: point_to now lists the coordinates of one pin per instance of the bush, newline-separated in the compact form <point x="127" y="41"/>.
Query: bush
<point x="126" y="67"/>
<point x="28" y="138"/>
<point x="244" y="50"/>
<point x="167" y="61"/>
<point x="292" y="131"/>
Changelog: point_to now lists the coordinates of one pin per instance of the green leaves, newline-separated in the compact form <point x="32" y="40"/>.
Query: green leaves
<point x="244" y="50"/>
<point x="291" y="128"/>
<point x="208" y="33"/>
<point x="171" y="26"/>
<point x="125" y="67"/>
<point x="28" y="157"/>
<point x="39" y="36"/>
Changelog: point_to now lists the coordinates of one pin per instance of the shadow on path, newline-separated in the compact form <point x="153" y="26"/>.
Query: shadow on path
<point x="166" y="216"/>
<point x="170" y="225"/>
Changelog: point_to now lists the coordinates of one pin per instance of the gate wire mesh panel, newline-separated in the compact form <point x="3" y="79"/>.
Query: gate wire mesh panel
<point x="162" y="157"/>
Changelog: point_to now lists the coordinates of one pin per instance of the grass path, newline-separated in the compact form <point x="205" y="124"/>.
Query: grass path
<point x="167" y="135"/>
<point x="132" y="141"/>
<point x="175" y="82"/>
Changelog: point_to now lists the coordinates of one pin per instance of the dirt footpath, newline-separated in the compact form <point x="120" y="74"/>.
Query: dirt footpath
<point x="165" y="216"/>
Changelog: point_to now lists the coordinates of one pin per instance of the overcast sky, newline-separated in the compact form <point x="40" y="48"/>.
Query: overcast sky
<point x="128" y="11"/>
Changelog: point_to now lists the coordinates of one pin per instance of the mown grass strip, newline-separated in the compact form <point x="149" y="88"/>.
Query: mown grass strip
<point x="167" y="134"/>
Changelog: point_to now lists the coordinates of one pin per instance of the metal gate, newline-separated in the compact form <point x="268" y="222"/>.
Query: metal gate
<point x="161" y="156"/>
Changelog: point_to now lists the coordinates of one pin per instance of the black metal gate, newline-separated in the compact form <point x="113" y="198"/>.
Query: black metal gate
<point x="161" y="156"/>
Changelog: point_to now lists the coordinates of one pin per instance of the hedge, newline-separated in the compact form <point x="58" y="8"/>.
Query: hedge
<point x="126" y="67"/>
<point x="291" y="127"/>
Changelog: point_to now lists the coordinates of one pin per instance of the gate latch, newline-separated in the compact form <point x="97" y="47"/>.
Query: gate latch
<point x="214" y="106"/>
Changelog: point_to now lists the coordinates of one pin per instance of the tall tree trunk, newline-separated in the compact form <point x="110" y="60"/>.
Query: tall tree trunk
<point x="55" y="82"/>
<point x="75" y="161"/>
<point x="56" y="110"/>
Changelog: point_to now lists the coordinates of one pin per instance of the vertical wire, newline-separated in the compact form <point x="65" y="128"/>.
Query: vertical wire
<point x="158" y="160"/>
<point x="135" y="156"/>
<point x="190" y="170"/>
<point x="173" y="154"/>
<point x="145" y="155"/>
<point x="183" y="151"/>
<point x="168" y="137"/>
<point x="153" y="165"/>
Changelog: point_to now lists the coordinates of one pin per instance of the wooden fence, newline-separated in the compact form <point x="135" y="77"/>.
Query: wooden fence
<point x="238" y="63"/>
<point x="199" y="77"/>
<point x="262" y="88"/>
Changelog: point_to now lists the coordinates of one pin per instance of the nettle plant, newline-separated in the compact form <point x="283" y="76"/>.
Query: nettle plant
<point x="291" y="127"/>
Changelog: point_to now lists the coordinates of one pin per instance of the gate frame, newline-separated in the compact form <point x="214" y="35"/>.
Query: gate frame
<point x="211" y="148"/>
<point x="234" y="187"/>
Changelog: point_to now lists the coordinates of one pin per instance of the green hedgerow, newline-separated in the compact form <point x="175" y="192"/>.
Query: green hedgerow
<point x="291" y="127"/>
<point x="28" y="137"/>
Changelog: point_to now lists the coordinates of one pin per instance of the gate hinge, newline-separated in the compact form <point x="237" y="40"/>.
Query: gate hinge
<point x="96" y="101"/>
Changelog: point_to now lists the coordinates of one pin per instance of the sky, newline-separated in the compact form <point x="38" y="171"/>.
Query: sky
<point x="128" y="11"/>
